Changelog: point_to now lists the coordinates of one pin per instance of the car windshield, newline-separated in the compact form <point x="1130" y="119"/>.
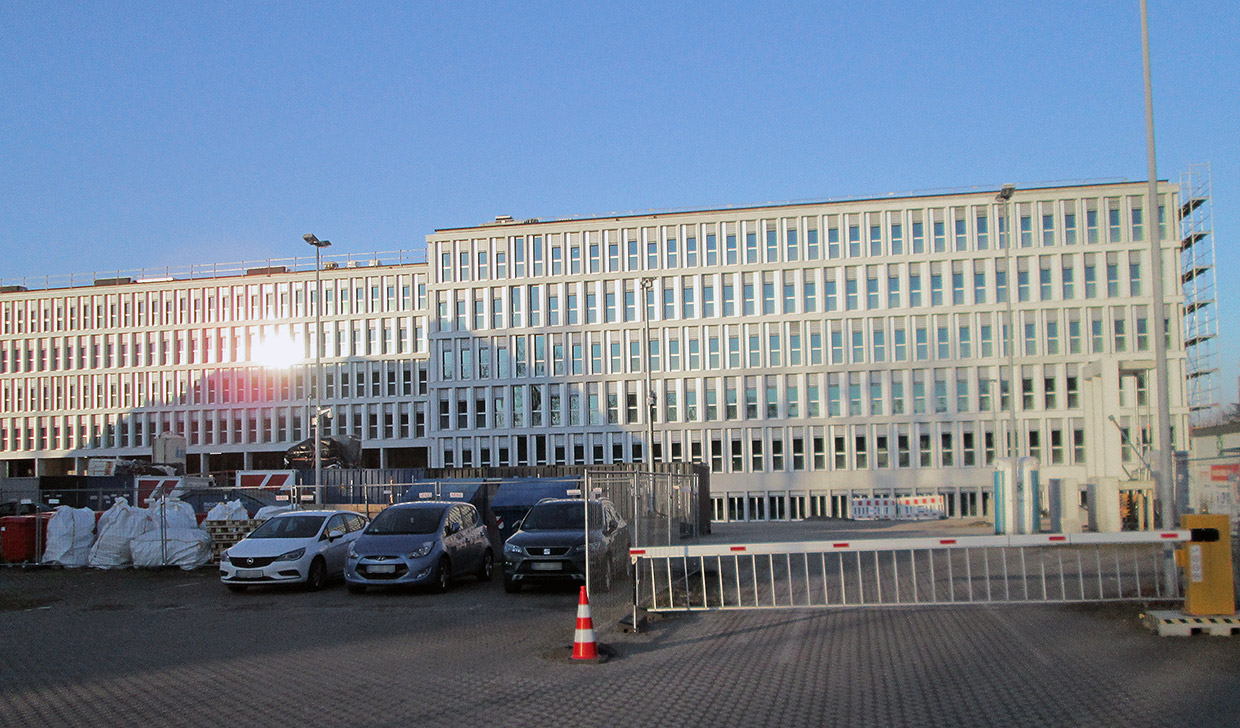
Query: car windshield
<point x="406" y="520"/>
<point x="290" y="527"/>
<point x="560" y="516"/>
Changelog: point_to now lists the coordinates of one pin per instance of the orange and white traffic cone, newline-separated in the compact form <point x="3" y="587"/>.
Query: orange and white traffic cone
<point x="584" y="647"/>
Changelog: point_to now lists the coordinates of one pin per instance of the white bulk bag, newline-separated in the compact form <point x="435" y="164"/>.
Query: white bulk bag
<point x="70" y="533"/>
<point x="187" y="548"/>
<point x="268" y="511"/>
<point x="170" y="536"/>
<point x="117" y="527"/>
<point x="169" y="513"/>
<point x="228" y="511"/>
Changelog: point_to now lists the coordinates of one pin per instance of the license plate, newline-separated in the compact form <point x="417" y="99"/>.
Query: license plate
<point x="249" y="573"/>
<point x="381" y="568"/>
<point x="546" y="566"/>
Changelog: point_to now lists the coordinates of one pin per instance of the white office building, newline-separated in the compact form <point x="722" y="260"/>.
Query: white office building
<point x="806" y="352"/>
<point x="223" y="355"/>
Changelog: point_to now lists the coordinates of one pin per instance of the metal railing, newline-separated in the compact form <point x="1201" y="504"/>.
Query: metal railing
<point x="198" y="271"/>
<point x="1042" y="568"/>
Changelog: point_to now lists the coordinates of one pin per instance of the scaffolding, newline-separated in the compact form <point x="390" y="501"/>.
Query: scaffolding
<point x="1197" y="277"/>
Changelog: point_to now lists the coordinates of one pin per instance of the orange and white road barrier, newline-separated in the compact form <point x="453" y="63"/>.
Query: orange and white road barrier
<point x="584" y="646"/>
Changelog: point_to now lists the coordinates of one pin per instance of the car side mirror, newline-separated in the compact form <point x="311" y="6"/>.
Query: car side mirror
<point x="334" y="534"/>
<point x="452" y="528"/>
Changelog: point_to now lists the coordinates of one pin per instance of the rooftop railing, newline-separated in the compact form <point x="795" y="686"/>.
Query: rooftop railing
<point x="198" y="271"/>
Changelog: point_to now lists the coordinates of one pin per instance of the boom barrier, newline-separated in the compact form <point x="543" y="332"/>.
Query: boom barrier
<point x="1038" y="568"/>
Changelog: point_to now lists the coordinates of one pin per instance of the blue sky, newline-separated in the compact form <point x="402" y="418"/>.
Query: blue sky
<point x="143" y="133"/>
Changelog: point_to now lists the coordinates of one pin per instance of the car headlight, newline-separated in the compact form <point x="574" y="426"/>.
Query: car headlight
<point x="292" y="555"/>
<point x="421" y="550"/>
<point x="352" y="551"/>
<point x="512" y="548"/>
<point x="224" y="558"/>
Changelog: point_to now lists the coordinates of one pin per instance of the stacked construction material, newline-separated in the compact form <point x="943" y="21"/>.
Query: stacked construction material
<point x="226" y="534"/>
<point x="227" y="523"/>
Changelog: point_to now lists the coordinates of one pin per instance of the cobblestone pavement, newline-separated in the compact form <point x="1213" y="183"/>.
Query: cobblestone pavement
<point x="175" y="648"/>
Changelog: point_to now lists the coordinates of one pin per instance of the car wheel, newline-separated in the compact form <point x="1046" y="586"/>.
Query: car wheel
<point x="488" y="566"/>
<point x="511" y="586"/>
<point x="236" y="588"/>
<point x="357" y="588"/>
<point x="316" y="577"/>
<point x="443" y="576"/>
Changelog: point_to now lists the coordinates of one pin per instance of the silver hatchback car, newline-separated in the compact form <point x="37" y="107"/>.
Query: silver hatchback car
<point x="295" y="547"/>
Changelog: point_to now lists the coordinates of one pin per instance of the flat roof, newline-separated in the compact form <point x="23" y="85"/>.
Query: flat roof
<point x="510" y="221"/>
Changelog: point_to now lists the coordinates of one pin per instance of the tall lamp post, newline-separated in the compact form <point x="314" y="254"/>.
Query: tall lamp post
<point x="1164" y="473"/>
<point x="651" y="400"/>
<point x="316" y="407"/>
<point x="1004" y="198"/>
<point x="647" y="284"/>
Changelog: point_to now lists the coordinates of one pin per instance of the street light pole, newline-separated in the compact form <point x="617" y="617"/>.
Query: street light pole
<point x="316" y="407"/>
<point x="1012" y="441"/>
<point x="651" y="400"/>
<point x="1164" y="473"/>
<point x="647" y="283"/>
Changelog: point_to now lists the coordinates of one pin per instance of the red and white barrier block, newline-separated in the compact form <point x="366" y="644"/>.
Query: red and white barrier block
<point x="871" y="509"/>
<point x="921" y="508"/>
<point x="906" y="508"/>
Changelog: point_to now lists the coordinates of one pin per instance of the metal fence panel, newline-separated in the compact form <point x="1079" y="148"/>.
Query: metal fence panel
<point x="657" y="508"/>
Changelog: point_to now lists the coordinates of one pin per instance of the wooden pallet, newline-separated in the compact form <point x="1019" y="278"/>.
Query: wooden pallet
<point x="230" y="528"/>
<point x="226" y="534"/>
<point x="1178" y="624"/>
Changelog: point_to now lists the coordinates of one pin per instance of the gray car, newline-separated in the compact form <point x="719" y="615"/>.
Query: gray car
<point x="425" y="543"/>
<point x="550" y="544"/>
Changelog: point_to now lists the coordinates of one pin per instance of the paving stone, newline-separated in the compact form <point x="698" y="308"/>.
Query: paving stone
<point x="173" y="648"/>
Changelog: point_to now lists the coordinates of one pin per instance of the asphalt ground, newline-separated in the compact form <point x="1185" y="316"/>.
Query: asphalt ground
<point x="82" y="647"/>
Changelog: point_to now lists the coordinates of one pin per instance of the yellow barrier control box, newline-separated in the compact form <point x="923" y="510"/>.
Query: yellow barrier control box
<point x="1206" y="561"/>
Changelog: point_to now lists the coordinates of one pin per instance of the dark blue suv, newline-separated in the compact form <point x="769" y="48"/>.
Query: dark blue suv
<point x="550" y="544"/>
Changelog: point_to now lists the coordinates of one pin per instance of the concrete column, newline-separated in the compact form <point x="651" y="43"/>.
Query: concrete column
<point x="1103" y="500"/>
<point x="1065" y="505"/>
<point x="1099" y="398"/>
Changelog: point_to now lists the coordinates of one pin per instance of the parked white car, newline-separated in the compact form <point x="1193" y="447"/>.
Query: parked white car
<point x="295" y="547"/>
